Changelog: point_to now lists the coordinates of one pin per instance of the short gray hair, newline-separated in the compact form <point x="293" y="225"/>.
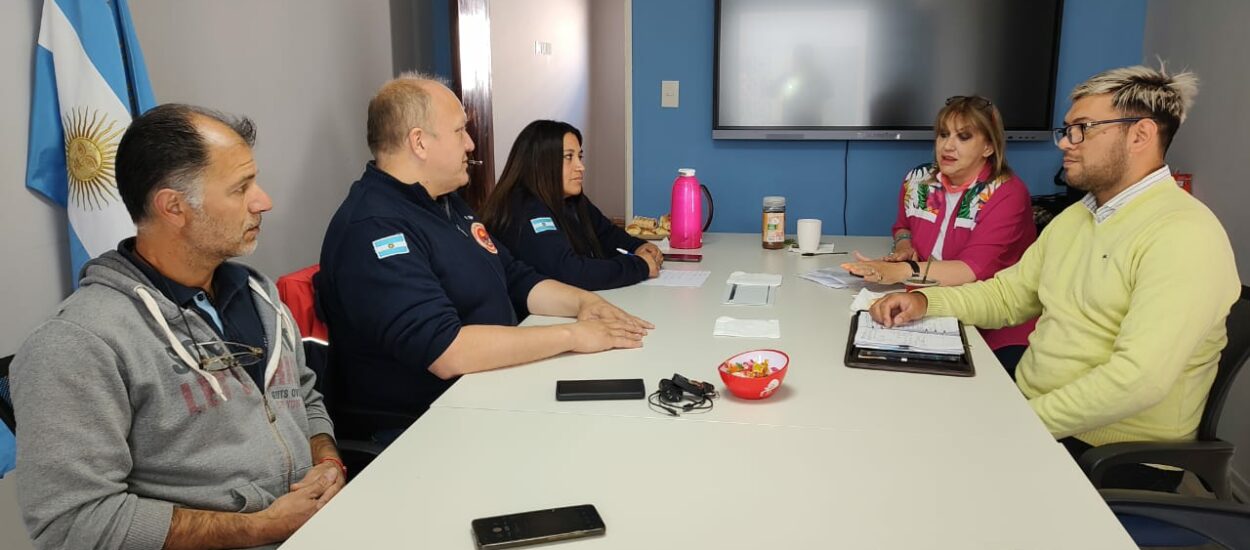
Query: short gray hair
<point x="1146" y="92"/>
<point x="399" y="106"/>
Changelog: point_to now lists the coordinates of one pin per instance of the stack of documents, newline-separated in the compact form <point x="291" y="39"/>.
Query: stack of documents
<point x="936" y="335"/>
<point x="826" y="277"/>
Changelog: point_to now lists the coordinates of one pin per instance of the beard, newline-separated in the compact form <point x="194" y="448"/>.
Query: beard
<point x="1104" y="175"/>
<point x="213" y="239"/>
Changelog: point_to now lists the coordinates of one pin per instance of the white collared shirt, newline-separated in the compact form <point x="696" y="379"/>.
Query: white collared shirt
<point x="1102" y="213"/>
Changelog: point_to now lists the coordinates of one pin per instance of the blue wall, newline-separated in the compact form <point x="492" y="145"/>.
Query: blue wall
<point x="673" y="40"/>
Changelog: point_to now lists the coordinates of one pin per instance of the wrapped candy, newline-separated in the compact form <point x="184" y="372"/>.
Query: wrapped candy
<point x="749" y="369"/>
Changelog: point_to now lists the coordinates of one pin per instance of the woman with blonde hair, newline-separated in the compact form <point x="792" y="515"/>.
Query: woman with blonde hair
<point x="962" y="217"/>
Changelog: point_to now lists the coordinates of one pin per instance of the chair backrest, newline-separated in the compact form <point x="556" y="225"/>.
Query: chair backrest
<point x="1232" y="358"/>
<point x="297" y="292"/>
<point x="317" y="357"/>
<point x="350" y="421"/>
<point x="6" y="399"/>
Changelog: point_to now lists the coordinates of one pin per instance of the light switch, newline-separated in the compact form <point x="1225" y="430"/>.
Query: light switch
<point x="669" y="93"/>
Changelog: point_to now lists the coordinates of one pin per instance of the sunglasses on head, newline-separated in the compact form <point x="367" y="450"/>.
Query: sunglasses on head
<point x="975" y="100"/>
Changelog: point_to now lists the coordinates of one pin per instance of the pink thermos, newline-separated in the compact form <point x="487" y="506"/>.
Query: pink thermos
<point x="687" y="211"/>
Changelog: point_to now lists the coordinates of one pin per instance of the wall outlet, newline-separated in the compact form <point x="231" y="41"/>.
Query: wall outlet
<point x="669" y="91"/>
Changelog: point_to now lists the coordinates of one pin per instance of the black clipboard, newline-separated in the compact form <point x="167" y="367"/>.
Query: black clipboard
<point x="906" y="361"/>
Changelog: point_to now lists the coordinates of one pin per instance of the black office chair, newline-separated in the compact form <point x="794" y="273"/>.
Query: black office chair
<point x="357" y="451"/>
<point x="1157" y="519"/>
<point x="1208" y="457"/>
<point x="6" y="398"/>
<point x="355" y="443"/>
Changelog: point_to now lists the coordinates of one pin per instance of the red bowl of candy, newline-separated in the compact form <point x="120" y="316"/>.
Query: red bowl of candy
<point x="754" y="374"/>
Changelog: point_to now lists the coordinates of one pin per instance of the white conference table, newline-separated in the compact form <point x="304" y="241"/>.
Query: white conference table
<point x="818" y="390"/>
<point x="840" y="457"/>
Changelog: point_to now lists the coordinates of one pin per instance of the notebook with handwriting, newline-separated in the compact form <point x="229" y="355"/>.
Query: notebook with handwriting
<point x="934" y="345"/>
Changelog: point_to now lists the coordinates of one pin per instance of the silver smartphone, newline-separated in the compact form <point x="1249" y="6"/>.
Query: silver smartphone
<point x="537" y="527"/>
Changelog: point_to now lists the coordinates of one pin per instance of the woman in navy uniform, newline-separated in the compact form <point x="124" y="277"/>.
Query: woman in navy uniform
<point x="539" y="212"/>
<point x="415" y="291"/>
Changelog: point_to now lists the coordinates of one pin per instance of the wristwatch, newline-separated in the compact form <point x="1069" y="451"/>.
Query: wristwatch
<point x="915" y="268"/>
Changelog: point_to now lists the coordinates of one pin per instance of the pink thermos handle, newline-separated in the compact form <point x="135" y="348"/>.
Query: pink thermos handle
<point x="710" y="207"/>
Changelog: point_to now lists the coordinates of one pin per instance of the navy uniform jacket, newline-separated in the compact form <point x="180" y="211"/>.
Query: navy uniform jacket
<point x="401" y="272"/>
<point x="533" y="236"/>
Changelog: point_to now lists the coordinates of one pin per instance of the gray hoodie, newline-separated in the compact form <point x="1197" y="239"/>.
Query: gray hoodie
<point x="119" y="423"/>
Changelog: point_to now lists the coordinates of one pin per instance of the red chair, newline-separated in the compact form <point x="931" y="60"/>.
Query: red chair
<point x="296" y="291"/>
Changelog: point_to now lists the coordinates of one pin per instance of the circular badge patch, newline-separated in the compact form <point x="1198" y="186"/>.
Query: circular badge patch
<point x="482" y="237"/>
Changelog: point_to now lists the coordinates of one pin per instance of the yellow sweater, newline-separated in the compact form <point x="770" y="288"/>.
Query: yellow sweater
<point x="1132" y="317"/>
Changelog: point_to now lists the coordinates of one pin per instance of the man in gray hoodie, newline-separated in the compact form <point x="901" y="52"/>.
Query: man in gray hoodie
<point x="167" y="404"/>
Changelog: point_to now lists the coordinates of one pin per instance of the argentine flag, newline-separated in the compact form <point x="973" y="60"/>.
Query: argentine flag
<point x="90" y="81"/>
<point x="390" y="246"/>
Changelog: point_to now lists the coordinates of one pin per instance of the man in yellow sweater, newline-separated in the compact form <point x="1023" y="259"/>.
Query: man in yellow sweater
<point x="1131" y="326"/>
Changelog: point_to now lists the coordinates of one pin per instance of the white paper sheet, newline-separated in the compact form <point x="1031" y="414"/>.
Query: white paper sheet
<point x="824" y="248"/>
<point x="864" y="299"/>
<point x="679" y="278"/>
<point x="747" y="328"/>
<point x="754" y="279"/>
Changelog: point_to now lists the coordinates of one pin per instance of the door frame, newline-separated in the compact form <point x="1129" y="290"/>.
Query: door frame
<point x="470" y="45"/>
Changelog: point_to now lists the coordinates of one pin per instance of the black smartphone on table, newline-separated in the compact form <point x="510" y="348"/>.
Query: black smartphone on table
<point x="597" y="390"/>
<point x="675" y="257"/>
<point x="538" y="527"/>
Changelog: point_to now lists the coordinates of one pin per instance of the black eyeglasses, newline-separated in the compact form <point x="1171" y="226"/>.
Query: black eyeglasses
<point x="975" y="100"/>
<point x="223" y="355"/>
<point x="1076" y="132"/>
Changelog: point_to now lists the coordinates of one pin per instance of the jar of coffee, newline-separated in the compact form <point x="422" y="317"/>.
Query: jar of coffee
<point x="774" y="230"/>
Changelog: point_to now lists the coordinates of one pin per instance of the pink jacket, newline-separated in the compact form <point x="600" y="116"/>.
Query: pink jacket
<point x="990" y="230"/>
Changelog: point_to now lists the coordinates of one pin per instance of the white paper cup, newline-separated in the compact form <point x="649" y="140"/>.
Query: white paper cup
<point x="809" y="235"/>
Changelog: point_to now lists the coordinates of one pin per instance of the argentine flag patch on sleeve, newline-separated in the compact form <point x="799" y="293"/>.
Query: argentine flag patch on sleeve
<point x="390" y="246"/>
<point x="543" y="224"/>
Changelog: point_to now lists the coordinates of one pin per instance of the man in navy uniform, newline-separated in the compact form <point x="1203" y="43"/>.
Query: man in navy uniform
<point x="414" y="289"/>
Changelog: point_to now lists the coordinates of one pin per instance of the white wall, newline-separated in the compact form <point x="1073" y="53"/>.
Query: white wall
<point x="1209" y="38"/>
<point x="526" y="86"/>
<point x="32" y="230"/>
<point x="606" y="146"/>
<point x="304" y="71"/>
